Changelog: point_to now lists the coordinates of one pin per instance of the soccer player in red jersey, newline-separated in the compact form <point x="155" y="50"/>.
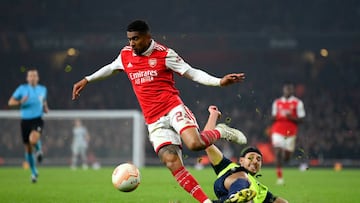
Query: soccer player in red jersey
<point x="287" y="112"/>
<point x="150" y="68"/>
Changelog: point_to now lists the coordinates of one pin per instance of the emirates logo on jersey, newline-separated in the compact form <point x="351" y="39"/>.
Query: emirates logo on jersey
<point x="152" y="62"/>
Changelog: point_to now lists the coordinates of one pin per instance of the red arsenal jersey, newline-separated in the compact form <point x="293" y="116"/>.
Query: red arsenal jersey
<point x="152" y="79"/>
<point x="280" y="109"/>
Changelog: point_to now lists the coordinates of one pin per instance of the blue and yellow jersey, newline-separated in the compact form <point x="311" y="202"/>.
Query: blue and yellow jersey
<point x="225" y="168"/>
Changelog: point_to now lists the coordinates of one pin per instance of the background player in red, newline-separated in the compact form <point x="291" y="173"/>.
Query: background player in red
<point x="287" y="112"/>
<point x="150" y="68"/>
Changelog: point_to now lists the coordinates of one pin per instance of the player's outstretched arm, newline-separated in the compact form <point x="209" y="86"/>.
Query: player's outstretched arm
<point x="204" y="78"/>
<point x="78" y="87"/>
<point x="232" y="78"/>
<point x="101" y="74"/>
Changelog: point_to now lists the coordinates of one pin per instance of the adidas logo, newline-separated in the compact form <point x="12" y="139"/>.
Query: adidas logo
<point x="129" y="65"/>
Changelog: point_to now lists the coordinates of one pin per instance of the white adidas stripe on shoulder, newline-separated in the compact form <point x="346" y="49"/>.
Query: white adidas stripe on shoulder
<point x="160" y="47"/>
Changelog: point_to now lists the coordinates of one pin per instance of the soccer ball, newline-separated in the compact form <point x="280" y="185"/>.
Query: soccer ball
<point x="126" y="177"/>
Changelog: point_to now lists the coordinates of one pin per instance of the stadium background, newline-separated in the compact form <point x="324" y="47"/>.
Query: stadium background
<point x="313" y="43"/>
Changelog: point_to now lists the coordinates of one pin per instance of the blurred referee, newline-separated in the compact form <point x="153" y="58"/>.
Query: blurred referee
<point x="31" y="98"/>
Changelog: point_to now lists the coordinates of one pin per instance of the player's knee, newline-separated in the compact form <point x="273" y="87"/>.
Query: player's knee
<point x="169" y="155"/>
<point x="195" y="145"/>
<point x="34" y="137"/>
<point x="171" y="162"/>
<point x="173" y="166"/>
<point x="192" y="139"/>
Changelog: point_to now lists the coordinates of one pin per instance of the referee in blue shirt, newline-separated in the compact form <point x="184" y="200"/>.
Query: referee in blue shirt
<point x="31" y="98"/>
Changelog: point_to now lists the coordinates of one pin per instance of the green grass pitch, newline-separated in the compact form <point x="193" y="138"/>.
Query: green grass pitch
<point x="62" y="185"/>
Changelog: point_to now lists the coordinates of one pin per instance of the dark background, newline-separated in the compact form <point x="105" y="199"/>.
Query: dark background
<point x="271" y="41"/>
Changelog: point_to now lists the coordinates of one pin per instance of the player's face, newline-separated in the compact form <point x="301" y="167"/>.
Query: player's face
<point x="32" y="77"/>
<point x="139" y="42"/>
<point x="252" y="162"/>
<point x="288" y="90"/>
<point x="77" y="122"/>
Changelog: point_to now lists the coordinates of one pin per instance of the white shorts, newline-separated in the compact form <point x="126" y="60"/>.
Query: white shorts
<point x="168" y="128"/>
<point x="79" y="149"/>
<point x="283" y="142"/>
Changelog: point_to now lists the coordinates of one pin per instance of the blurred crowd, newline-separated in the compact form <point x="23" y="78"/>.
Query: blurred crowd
<point x="181" y="15"/>
<point x="327" y="83"/>
<point x="328" y="87"/>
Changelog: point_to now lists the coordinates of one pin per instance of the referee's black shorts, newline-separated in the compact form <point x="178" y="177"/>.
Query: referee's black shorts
<point x="28" y="125"/>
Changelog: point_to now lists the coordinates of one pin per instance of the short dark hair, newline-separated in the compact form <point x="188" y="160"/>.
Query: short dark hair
<point x="248" y="150"/>
<point x="138" y="26"/>
<point x="287" y="82"/>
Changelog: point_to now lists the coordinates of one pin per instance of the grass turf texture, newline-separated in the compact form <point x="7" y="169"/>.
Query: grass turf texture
<point x="60" y="184"/>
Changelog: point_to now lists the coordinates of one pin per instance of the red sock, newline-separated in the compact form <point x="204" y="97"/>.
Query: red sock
<point x="188" y="182"/>
<point x="279" y="172"/>
<point x="209" y="136"/>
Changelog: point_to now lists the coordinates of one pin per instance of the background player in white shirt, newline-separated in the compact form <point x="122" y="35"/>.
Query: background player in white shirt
<point x="79" y="144"/>
<point x="150" y="68"/>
